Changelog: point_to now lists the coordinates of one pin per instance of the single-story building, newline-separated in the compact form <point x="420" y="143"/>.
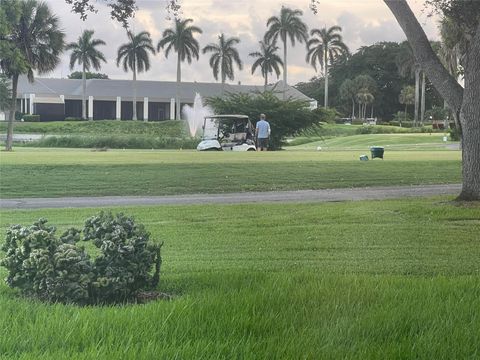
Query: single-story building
<point x="57" y="99"/>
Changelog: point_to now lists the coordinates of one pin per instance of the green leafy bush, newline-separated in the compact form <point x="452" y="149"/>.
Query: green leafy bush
<point x="116" y="142"/>
<point x="325" y="115"/>
<point x="31" y="118"/>
<point x="59" y="270"/>
<point x="437" y="113"/>
<point x="455" y="134"/>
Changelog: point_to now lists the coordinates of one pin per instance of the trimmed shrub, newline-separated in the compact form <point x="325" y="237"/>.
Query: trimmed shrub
<point x="116" y="142"/>
<point x="71" y="118"/>
<point x="31" y="118"/>
<point x="59" y="270"/>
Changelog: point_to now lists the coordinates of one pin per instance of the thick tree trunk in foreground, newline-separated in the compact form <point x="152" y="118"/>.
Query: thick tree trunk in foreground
<point x="11" y="116"/>
<point x="464" y="101"/>
<point x="470" y="124"/>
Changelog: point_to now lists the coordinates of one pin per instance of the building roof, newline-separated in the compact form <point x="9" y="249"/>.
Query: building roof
<point x="161" y="91"/>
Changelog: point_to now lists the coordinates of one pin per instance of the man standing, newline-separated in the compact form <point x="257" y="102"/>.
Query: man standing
<point x="263" y="133"/>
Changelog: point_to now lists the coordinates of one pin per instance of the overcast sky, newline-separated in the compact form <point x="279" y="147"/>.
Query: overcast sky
<point x="364" y="22"/>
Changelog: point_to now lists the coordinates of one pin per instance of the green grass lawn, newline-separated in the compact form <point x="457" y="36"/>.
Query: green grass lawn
<point x="396" y="279"/>
<point x="66" y="172"/>
<point x="403" y="142"/>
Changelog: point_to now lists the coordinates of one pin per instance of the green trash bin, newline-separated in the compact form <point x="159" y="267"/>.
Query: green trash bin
<point x="377" y="152"/>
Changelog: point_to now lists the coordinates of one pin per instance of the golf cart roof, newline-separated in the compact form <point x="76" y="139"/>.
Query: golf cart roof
<point x="226" y="117"/>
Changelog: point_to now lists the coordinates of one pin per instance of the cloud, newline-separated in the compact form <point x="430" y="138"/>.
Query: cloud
<point x="364" y="22"/>
<point x="145" y="18"/>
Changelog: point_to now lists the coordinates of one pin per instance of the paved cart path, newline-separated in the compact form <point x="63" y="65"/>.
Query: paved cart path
<point x="350" y="194"/>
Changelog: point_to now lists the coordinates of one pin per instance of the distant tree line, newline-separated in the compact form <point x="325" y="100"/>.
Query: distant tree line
<point x="374" y="76"/>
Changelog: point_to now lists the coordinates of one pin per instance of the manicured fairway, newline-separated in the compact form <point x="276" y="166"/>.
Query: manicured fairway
<point x="63" y="172"/>
<point x="379" y="279"/>
<point x="426" y="141"/>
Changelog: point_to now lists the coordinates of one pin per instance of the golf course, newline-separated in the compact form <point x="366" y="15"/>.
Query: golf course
<point x="394" y="278"/>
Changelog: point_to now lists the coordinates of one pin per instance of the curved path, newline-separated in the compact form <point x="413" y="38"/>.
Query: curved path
<point x="350" y="194"/>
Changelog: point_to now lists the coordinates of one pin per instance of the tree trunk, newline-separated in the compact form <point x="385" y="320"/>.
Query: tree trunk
<point x="446" y="84"/>
<point x="417" y="96"/>
<point x="284" y="68"/>
<point x="326" y="78"/>
<point x="465" y="101"/>
<point x="371" y="113"/>
<point x="266" y="82"/>
<point x="223" y="83"/>
<point x="470" y="124"/>
<point x="177" y="89"/>
<point x="11" y="116"/>
<point x="134" y="117"/>
<point x="84" y="93"/>
<point x="422" y="104"/>
<point x="353" y="108"/>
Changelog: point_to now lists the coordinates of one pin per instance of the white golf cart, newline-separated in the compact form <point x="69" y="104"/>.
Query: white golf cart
<point x="227" y="133"/>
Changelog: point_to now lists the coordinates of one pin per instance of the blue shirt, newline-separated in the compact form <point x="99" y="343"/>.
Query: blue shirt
<point x="263" y="129"/>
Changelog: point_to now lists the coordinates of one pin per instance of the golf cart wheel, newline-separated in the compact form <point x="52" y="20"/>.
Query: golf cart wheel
<point x="251" y="150"/>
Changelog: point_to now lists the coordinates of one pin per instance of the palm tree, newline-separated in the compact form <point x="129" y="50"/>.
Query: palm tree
<point x="324" y="49"/>
<point x="364" y="98"/>
<point x="134" y="56"/>
<point x="407" y="97"/>
<point x="35" y="41"/>
<point x="288" y="25"/>
<point x="85" y="53"/>
<point x="182" y="40"/>
<point x="408" y="67"/>
<point x="348" y="91"/>
<point x="267" y="60"/>
<point x="223" y="56"/>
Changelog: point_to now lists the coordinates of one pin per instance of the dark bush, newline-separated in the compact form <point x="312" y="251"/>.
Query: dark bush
<point x="405" y="124"/>
<point x="116" y="142"/>
<point x="455" y="134"/>
<point x="325" y="115"/>
<point x="31" y="118"/>
<point x="59" y="270"/>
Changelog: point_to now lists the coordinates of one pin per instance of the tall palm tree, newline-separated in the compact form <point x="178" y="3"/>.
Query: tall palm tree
<point x="288" y="25"/>
<point x="324" y="47"/>
<point x="364" y="98"/>
<point x="181" y="39"/>
<point x="407" y="67"/>
<point x="267" y="60"/>
<point x="36" y="42"/>
<point x="407" y="97"/>
<point x="85" y="53"/>
<point x="348" y="91"/>
<point x="224" y="54"/>
<point x="134" y="56"/>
